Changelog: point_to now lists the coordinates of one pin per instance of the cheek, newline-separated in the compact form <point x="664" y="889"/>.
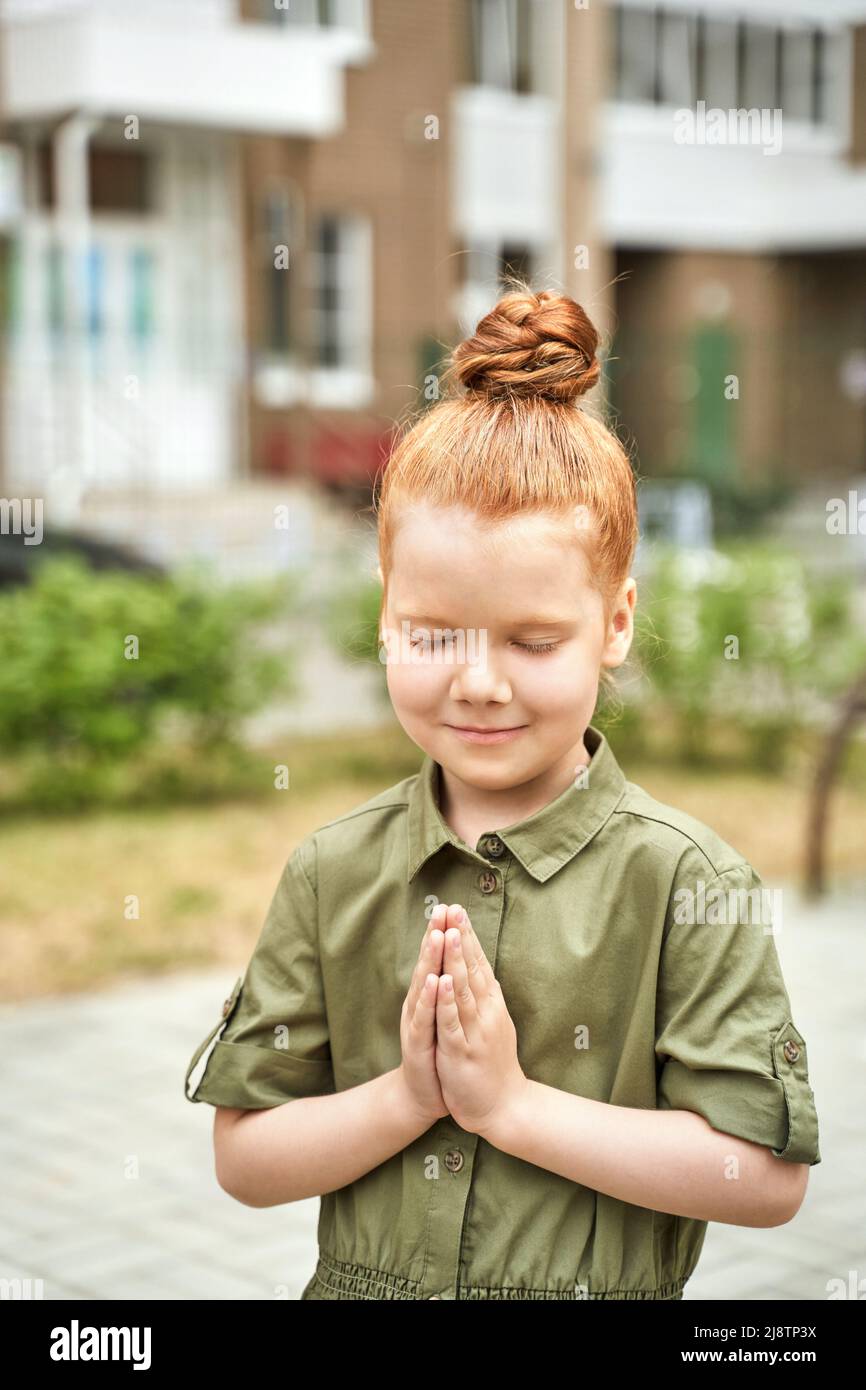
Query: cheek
<point x="415" y="687"/>
<point x="553" y="684"/>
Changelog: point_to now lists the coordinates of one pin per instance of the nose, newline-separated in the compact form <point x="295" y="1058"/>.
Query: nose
<point x="480" y="681"/>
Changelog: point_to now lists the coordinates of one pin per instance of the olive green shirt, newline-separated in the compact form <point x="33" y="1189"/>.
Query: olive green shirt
<point x="639" y="969"/>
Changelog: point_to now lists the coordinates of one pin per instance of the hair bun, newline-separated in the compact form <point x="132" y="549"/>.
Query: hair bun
<point x="530" y="345"/>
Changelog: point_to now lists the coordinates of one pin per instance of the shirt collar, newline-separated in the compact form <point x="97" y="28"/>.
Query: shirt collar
<point x="544" y="841"/>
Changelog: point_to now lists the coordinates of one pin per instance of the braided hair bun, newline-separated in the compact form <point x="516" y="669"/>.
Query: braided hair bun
<point x="530" y="345"/>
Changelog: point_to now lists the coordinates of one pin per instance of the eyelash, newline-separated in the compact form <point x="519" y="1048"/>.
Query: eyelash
<point x="535" y="649"/>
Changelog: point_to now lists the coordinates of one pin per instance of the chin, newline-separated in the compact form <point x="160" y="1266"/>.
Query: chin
<point x="494" y="770"/>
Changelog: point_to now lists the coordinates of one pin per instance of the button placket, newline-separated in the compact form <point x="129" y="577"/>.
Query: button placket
<point x="450" y="1191"/>
<point x="449" y="1195"/>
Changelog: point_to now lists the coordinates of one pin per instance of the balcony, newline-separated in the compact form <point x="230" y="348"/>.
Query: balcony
<point x="801" y="194"/>
<point x="233" y="76"/>
<point x="506" y="165"/>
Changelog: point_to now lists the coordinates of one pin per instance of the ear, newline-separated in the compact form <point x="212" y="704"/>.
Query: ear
<point x="621" y="630"/>
<point x="380" y="574"/>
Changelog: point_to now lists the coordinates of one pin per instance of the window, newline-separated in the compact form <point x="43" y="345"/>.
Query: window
<point x="141" y="286"/>
<point x="635" y="50"/>
<point x="94" y="271"/>
<point x="758" y="76"/>
<point x="120" y="179"/>
<point x="279" y="241"/>
<point x="797" y="81"/>
<point x="327" y="300"/>
<point x="53" y="283"/>
<point x="516" y="258"/>
<point x="720" y="64"/>
<point x="820" y="78"/>
<point x="666" y="57"/>
<point x="485" y="262"/>
<point x="340" y="292"/>
<point x="502" y="49"/>
<point x="300" y="12"/>
<point x="676" y="71"/>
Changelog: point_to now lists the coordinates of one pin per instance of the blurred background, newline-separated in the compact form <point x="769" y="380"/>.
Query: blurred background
<point x="237" y="241"/>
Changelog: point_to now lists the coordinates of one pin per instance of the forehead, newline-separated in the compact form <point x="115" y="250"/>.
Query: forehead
<point x="453" y="554"/>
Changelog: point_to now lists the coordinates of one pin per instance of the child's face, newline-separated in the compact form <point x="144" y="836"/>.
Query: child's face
<point x="500" y="590"/>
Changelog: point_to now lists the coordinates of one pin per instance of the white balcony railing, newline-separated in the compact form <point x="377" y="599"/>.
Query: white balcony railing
<point x="221" y="74"/>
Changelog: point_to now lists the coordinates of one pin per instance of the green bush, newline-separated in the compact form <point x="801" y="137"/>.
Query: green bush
<point x="100" y="667"/>
<point x="743" y="636"/>
<point x="352" y="624"/>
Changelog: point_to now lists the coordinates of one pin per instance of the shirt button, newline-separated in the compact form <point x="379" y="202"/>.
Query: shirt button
<point x="487" y="881"/>
<point x="494" y="847"/>
<point x="454" y="1160"/>
<point x="791" y="1051"/>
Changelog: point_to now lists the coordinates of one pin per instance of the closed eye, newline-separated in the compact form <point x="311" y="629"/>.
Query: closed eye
<point x="534" y="648"/>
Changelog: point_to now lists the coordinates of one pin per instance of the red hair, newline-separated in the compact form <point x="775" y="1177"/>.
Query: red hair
<point x="515" y="441"/>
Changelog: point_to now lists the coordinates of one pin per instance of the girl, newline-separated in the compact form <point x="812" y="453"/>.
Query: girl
<point x="531" y="1021"/>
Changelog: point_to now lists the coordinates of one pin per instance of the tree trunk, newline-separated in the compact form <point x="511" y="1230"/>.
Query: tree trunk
<point x="852" y="709"/>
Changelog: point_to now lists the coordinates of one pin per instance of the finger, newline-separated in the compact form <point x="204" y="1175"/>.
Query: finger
<point x="481" y="976"/>
<point x="436" y="937"/>
<point x="429" y="960"/>
<point x="449" y="1030"/>
<point x="455" y="966"/>
<point x="422" y="1021"/>
<point x="437" y="916"/>
<point x="436" y="920"/>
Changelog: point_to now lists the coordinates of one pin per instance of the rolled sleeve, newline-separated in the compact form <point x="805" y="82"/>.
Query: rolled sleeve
<point x="274" y="1045"/>
<point x="726" y="1043"/>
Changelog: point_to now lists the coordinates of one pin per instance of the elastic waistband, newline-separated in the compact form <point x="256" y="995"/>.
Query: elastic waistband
<point x="339" y="1279"/>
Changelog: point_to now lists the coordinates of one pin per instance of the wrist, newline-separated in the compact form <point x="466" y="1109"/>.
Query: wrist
<point x="408" y="1113"/>
<point x="510" y="1118"/>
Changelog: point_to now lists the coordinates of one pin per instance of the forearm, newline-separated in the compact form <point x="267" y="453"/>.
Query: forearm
<point x="318" y="1143"/>
<point x="665" y="1160"/>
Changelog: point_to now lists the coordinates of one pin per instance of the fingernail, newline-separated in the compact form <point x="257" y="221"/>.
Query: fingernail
<point x="463" y="918"/>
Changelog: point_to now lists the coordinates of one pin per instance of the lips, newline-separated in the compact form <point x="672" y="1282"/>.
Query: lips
<point x="471" y="729"/>
<point x="470" y="735"/>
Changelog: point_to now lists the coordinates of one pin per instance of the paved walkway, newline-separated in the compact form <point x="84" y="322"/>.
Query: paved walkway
<point x="106" y="1171"/>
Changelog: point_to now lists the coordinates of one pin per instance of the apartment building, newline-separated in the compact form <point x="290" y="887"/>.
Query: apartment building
<point x="126" y="363"/>
<point x="742" y="252"/>
<point x="451" y="170"/>
<point x="238" y="235"/>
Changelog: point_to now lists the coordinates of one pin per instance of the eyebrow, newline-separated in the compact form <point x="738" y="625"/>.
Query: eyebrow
<point x="539" y="621"/>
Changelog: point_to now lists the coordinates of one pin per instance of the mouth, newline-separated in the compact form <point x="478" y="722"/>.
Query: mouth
<point x="476" y="735"/>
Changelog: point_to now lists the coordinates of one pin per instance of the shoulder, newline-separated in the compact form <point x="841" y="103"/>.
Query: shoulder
<point x="688" y="844"/>
<point x="362" y="828"/>
<point x="369" y="816"/>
